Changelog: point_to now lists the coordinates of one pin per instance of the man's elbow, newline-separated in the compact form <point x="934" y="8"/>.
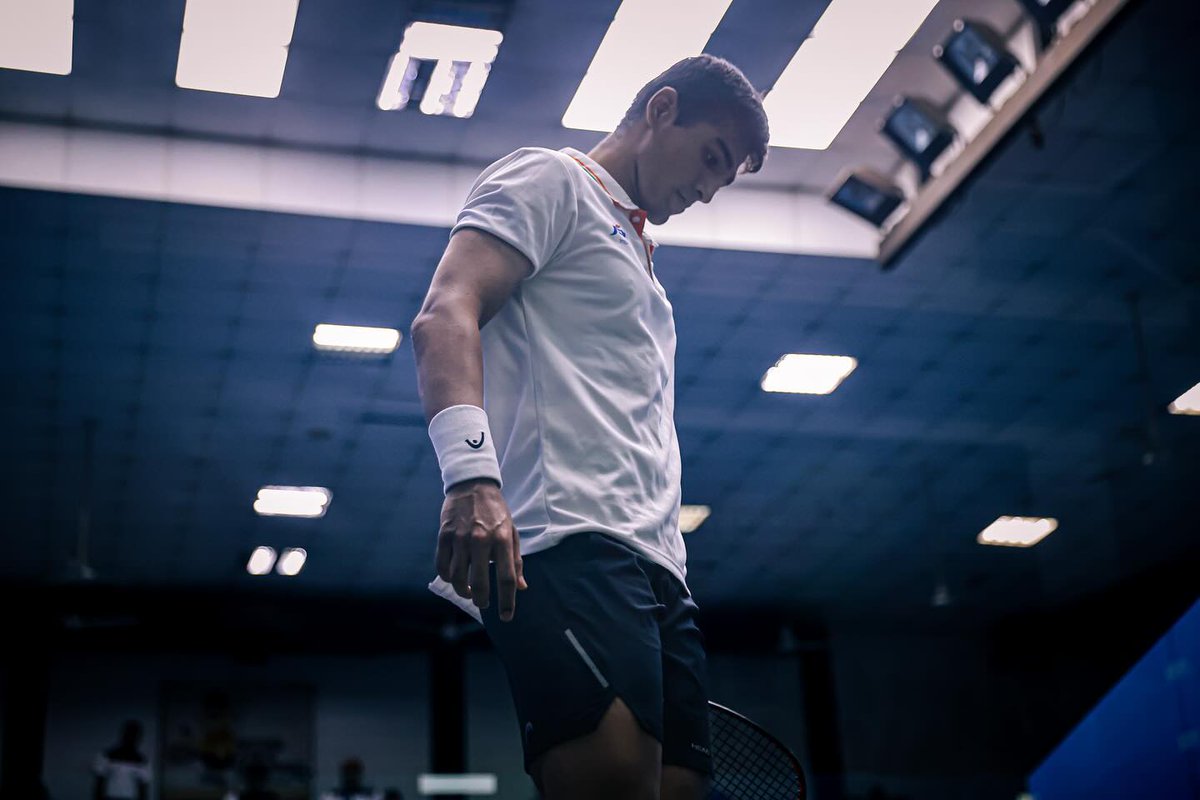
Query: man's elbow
<point x="418" y="330"/>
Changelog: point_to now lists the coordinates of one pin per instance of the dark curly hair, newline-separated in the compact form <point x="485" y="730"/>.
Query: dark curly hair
<point x="713" y="90"/>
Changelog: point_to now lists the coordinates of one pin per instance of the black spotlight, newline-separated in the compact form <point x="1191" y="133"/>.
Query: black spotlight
<point x="919" y="131"/>
<point x="1045" y="14"/>
<point x="869" y="195"/>
<point x="977" y="58"/>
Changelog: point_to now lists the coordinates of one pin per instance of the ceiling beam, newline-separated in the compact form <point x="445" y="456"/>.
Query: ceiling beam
<point x="179" y="169"/>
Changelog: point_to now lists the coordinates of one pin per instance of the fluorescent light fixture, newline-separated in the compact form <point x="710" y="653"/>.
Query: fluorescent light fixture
<point x="477" y="784"/>
<point x="645" y="37"/>
<point x="36" y="35"/>
<point x="291" y="561"/>
<point x="1187" y="403"/>
<point x="692" y="517"/>
<point x="235" y="47"/>
<point x="798" y="373"/>
<point x="261" y="560"/>
<point x="355" y="339"/>
<point x="292" y="501"/>
<point x="464" y="58"/>
<point x="1017" y="531"/>
<point x="851" y="46"/>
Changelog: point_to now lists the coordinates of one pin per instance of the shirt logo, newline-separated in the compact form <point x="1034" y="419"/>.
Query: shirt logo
<point x="473" y="444"/>
<point x="619" y="231"/>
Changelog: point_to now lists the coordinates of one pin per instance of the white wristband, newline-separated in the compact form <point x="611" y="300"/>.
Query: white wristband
<point x="463" y="443"/>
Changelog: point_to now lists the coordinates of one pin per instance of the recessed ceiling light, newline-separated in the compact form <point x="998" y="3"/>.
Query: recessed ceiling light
<point x="837" y="66"/>
<point x="292" y="501"/>
<point x="1017" y="531"/>
<point x="1187" y="403"/>
<point x="36" y="35"/>
<point x="798" y="373"/>
<point x="355" y="339"/>
<point x="261" y="560"/>
<point x="645" y="37"/>
<point x="291" y="561"/>
<point x="692" y="517"/>
<point x="235" y="47"/>
<point x="464" y="58"/>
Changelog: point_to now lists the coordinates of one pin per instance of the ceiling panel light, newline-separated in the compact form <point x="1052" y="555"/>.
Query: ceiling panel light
<point x="463" y="58"/>
<point x="36" y="35"/>
<point x="291" y="561"/>
<point x="355" y="339"/>
<point x="292" y="501"/>
<point x="645" y="37"/>
<point x="1187" y="403"/>
<point x="692" y="517"/>
<point x="1017" y="531"/>
<point x="837" y="66"/>
<point x="261" y="561"/>
<point x="798" y="373"/>
<point x="235" y="47"/>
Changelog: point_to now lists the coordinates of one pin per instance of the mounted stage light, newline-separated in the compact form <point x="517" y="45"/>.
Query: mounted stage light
<point x="869" y="195"/>
<point x="919" y="131"/>
<point x="977" y="58"/>
<point x="1045" y="14"/>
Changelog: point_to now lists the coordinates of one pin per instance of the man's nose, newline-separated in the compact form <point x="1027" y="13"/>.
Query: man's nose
<point x="706" y="190"/>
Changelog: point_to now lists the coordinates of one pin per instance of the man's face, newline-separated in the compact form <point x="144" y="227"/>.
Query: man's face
<point x="681" y="165"/>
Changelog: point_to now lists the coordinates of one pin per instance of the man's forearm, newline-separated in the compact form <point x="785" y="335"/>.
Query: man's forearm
<point x="449" y="362"/>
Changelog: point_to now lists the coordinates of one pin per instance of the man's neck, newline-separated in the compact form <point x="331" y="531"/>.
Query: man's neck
<point x="616" y="154"/>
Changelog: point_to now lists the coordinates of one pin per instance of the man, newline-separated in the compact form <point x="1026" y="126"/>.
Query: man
<point x="351" y="786"/>
<point x="122" y="772"/>
<point x="546" y="312"/>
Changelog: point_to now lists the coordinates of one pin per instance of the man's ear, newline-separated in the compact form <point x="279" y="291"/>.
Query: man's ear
<point x="663" y="108"/>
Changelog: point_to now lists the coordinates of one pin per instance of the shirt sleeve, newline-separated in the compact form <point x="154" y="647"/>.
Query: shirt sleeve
<point x="100" y="766"/>
<point x="526" y="199"/>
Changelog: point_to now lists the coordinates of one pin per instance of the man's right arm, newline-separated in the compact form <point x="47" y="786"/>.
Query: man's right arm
<point x="475" y="277"/>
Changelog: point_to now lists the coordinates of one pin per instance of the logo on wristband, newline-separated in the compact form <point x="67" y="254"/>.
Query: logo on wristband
<point x="475" y="445"/>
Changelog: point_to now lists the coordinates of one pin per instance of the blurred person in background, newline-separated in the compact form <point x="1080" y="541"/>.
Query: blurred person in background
<point x="123" y="772"/>
<point x="352" y="786"/>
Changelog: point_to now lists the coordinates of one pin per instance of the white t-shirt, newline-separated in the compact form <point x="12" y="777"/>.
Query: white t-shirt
<point x="121" y="778"/>
<point x="579" y="364"/>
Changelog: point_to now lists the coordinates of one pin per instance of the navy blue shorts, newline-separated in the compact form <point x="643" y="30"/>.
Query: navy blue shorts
<point x="601" y="621"/>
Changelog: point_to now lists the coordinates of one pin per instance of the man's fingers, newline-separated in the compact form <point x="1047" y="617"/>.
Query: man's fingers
<point x="507" y="574"/>
<point x="460" y="561"/>
<point x="445" y="552"/>
<point x="518" y="562"/>
<point x="481" y="544"/>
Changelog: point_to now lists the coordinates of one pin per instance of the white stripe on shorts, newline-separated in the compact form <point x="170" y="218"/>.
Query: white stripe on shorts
<point x="586" y="658"/>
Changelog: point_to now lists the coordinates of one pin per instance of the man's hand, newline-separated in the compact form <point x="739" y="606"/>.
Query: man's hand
<point x="476" y="529"/>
